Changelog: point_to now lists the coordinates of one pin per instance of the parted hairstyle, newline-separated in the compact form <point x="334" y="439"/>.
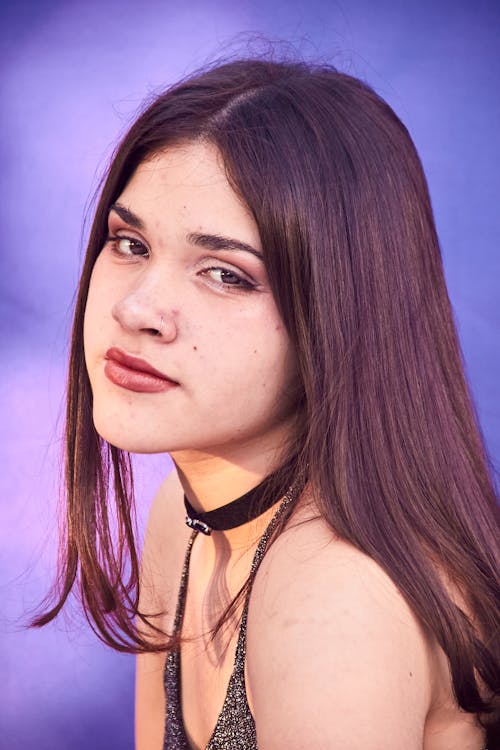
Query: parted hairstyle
<point x="387" y="433"/>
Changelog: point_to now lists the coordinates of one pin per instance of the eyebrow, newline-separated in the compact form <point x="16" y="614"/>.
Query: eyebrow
<point x="209" y="241"/>
<point x="218" y="242"/>
<point x="127" y="215"/>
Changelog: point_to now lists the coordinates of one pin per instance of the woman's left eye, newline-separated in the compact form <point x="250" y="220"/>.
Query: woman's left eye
<point x="225" y="277"/>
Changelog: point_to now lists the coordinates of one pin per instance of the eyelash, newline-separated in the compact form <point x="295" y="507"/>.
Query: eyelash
<point x="243" y="285"/>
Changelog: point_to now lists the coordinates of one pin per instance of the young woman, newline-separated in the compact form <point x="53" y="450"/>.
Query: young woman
<point x="263" y="298"/>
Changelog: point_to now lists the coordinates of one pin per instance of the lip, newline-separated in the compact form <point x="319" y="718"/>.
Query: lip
<point x="134" y="374"/>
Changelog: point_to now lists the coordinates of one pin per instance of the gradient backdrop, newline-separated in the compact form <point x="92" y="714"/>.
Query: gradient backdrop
<point x="73" y="75"/>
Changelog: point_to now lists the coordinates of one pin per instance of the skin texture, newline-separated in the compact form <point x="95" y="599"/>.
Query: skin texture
<point x="223" y="343"/>
<point x="335" y="657"/>
<point x="206" y="318"/>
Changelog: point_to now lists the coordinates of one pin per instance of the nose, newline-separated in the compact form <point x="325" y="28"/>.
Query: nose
<point x="138" y="313"/>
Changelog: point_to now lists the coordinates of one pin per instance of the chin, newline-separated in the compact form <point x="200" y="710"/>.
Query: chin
<point x="131" y="445"/>
<point x="124" y="437"/>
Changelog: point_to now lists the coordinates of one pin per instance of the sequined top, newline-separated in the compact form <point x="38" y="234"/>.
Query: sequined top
<point x="235" y="726"/>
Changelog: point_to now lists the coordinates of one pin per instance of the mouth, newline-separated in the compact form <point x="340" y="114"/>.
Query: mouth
<point x="135" y="374"/>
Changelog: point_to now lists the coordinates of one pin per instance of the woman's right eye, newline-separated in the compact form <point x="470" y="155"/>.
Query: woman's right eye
<point x="126" y="246"/>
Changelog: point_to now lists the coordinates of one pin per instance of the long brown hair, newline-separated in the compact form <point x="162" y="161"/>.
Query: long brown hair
<point x="387" y="430"/>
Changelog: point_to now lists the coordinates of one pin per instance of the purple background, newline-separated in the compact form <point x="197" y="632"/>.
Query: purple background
<point x="73" y="75"/>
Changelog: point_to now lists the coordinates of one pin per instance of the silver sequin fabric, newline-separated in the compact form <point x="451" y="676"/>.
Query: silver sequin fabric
<point x="235" y="726"/>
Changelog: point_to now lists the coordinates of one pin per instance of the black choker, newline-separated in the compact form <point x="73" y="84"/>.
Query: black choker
<point x="236" y="513"/>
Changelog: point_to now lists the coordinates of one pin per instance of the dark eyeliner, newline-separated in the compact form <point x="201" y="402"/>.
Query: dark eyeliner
<point x="244" y="284"/>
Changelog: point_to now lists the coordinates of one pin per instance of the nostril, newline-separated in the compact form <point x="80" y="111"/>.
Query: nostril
<point x="152" y="331"/>
<point x="139" y="315"/>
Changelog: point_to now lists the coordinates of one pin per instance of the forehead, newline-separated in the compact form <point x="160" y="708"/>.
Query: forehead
<point x="194" y="164"/>
<point x="188" y="183"/>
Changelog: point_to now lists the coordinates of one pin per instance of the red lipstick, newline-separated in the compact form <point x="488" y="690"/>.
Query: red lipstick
<point x="134" y="374"/>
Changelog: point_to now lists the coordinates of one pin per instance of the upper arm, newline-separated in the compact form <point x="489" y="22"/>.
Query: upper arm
<point x="336" y="658"/>
<point x="159" y="575"/>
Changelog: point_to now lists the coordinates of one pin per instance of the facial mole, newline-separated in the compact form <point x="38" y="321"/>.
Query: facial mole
<point x="195" y="348"/>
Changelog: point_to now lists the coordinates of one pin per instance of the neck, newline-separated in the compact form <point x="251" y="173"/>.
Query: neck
<point x="212" y="480"/>
<point x="213" y="484"/>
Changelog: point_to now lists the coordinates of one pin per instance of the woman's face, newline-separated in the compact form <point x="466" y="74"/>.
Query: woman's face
<point x="180" y="288"/>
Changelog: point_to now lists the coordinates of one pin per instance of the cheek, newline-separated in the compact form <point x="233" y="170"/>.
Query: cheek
<point x="91" y="318"/>
<point x="252" y="361"/>
<point x="97" y="312"/>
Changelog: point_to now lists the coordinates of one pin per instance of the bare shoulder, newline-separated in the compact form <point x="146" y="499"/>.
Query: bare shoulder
<point x="167" y="511"/>
<point x="161" y="563"/>
<point x="336" y="657"/>
<point x="164" y="545"/>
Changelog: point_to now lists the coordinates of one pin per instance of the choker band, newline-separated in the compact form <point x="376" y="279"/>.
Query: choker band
<point x="233" y="514"/>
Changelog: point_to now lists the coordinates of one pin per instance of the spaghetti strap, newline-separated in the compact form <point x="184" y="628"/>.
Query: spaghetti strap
<point x="235" y="726"/>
